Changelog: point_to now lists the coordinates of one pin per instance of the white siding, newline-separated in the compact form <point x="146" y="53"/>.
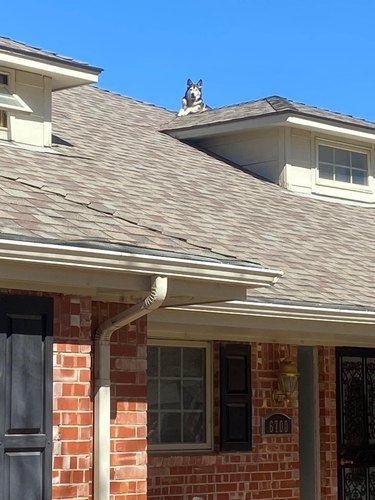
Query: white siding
<point x="32" y="128"/>
<point x="256" y="151"/>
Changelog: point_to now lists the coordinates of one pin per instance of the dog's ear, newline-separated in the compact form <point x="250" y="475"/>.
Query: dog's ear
<point x="200" y="84"/>
<point x="189" y="83"/>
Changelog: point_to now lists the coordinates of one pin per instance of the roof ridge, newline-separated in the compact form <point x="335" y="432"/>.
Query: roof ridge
<point x="118" y="94"/>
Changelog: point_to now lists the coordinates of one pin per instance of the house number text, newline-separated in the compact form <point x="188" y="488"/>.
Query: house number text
<point x="277" y="423"/>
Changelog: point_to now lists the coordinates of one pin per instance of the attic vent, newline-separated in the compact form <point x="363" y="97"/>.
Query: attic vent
<point x="8" y="100"/>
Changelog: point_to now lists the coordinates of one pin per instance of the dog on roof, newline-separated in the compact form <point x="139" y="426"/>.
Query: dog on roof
<point x="192" y="101"/>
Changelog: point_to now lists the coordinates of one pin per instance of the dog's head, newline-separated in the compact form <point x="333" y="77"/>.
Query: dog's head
<point x="194" y="91"/>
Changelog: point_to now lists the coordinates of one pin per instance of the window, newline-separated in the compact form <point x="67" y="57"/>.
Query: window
<point x="178" y="402"/>
<point x="179" y="396"/>
<point x="342" y="165"/>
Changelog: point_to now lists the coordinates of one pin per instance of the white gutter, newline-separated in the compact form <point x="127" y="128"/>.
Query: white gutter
<point x="136" y="263"/>
<point x="102" y="400"/>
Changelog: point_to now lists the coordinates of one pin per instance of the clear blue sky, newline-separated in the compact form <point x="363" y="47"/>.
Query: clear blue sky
<point x="318" y="52"/>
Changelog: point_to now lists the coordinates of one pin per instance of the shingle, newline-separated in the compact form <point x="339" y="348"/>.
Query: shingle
<point x="9" y="45"/>
<point x="259" y="108"/>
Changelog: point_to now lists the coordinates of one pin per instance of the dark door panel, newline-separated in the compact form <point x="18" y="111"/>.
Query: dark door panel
<point x="25" y="398"/>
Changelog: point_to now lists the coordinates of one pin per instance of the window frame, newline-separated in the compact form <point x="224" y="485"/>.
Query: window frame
<point x="208" y="443"/>
<point x="332" y="183"/>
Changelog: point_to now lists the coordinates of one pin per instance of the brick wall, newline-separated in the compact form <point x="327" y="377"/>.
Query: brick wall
<point x="270" y="470"/>
<point x="75" y="320"/>
<point x="72" y="403"/>
<point x="328" y="428"/>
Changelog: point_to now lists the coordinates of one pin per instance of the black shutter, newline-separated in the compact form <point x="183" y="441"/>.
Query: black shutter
<point x="235" y="397"/>
<point x="25" y="398"/>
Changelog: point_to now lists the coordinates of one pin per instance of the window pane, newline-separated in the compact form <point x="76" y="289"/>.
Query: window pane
<point x="359" y="160"/>
<point x="152" y="361"/>
<point x="3" y="79"/>
<point x="170" y="431"/>
<point x="193" y="395"/>
<point x="194" y="431"/>
<point x="170" y="395"/>
<point x="153" y="428"/>
<point x="193" y="362"/>
<point x="326" y="171"/>
<point x="176" y="395"/>
<point x="170" y="362"/>
<point x="342" y="174"/>
<point x="359" y="177"/>
<point x="152" y="394"/>
<point x="342" y="157"/>
<point x="325" y="154"/>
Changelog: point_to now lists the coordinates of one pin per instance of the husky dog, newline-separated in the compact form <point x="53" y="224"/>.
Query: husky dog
<point x="192" y="100"/>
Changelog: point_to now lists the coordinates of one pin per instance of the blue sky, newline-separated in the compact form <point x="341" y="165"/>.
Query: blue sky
<point x="317" y="52"/>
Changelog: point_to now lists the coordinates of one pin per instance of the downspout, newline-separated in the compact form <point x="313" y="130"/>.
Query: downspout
<point x="102" y="399"/>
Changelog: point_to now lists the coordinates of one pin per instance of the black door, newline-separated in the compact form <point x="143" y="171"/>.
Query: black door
<point x="25" y="398"/>
<point x="356" y="423"/>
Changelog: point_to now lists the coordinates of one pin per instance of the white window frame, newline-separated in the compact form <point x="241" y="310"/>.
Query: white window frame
<point x="207" y="445"/>
<point x="348" y="186"/>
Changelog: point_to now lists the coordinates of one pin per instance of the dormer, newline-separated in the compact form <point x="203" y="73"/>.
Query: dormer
<point x="28" y="76"/>
<point x="304" y="149"/>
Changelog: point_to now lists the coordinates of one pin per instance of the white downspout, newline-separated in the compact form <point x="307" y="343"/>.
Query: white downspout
<point x="102" y="399"/>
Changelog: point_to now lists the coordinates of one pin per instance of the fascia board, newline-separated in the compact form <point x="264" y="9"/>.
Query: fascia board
<point x="82" y="258"/>
<point x="227" y="127"/>
<point x="278" y="119"/>
<point x="285" y="311"/>
<point x="328" y="128"/>
<point x="56" y="71"/>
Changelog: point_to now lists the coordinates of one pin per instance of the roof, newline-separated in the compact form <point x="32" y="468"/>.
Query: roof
<point x="9" y="45"/>
<point x="267" y="106"/>
<point x="113" y="176"/>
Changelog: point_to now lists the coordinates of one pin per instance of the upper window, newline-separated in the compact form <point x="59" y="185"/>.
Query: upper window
<point x="178" y="408"/>
<point x="343" y="165"/>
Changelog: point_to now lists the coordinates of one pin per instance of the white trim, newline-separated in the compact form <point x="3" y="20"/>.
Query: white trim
<point x="208" y="444"/>
<point x="339" y="130"/>
<point x="264" y="309"/>
<point x="57" y="70"/>
<point x="348" y="131"/>
<point x="107" y="260"/>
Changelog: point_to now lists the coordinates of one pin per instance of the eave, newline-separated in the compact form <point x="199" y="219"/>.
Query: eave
<point x="267" y="322"/>
<point x="123" y="276"/>
<point x="63" y="75"/>
<point x="281" y="119"/>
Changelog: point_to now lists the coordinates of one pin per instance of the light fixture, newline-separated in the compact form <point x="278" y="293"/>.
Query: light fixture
<point x="287" y="381"/>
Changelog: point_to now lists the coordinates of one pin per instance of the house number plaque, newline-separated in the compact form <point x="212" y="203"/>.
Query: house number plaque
<point x="277" y="423"/>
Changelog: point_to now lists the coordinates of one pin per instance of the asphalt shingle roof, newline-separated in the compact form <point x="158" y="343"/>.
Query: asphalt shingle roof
<point x="9" y="45"/>
<point x="113" y="175"/>
<point x="262" y="107"/>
